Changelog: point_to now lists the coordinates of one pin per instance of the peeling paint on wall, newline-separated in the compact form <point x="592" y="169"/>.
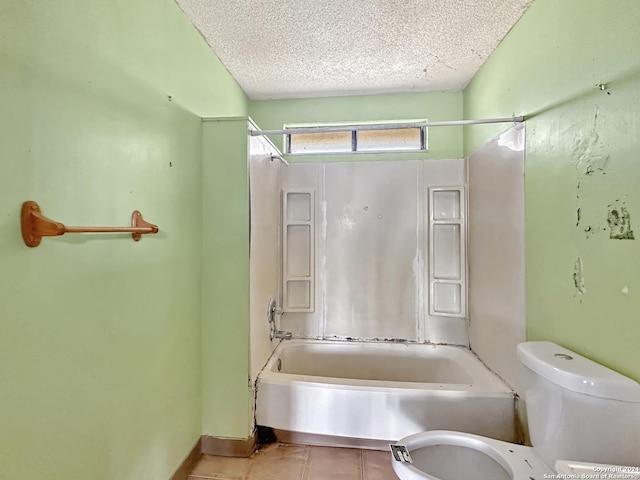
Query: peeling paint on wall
<point x="588" y="154"/>
<point x="619" y="220"/>
<point x="578" y="277"/>
<point x="590" y="159"/>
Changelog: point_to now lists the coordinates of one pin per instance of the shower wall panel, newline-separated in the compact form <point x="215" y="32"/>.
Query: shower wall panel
<point x="371" y="243"/>
<point x="497" y="252"/>
<point x="371" y="250"/>
<point x="264" y="175"/>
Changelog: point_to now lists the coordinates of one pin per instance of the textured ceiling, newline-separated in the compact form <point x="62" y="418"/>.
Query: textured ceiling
<point x="310" y="48"/>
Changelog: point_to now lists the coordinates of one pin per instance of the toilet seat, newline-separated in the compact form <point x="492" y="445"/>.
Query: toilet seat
<point x="520" y="462"/>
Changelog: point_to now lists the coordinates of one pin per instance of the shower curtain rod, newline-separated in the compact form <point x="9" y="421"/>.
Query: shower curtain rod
<point x="385" y="126"/>
<point x="273" y="156"/>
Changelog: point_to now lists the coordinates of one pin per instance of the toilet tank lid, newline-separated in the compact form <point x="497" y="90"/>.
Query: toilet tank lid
<point x="575" y="372"/>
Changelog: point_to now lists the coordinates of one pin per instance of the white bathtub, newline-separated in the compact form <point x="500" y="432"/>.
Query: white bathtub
<point x="364" y="394"/>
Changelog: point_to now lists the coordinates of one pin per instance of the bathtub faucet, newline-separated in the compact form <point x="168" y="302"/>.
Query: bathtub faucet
<point x="272" y="311"/>
<point x="281" y="334"/>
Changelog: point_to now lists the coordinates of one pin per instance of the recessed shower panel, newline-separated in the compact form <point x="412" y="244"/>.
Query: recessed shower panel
<point x="447" y="264"/>
<point x="447" y="252"/>
<point x="298" y="252"/>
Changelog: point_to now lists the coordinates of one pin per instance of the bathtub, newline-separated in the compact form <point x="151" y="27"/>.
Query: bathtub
<point x="369" y="394"/>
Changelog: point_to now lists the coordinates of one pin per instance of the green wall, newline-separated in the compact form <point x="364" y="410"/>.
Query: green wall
<point x="444" y="142"/>
<point x="226" y="386"/>
<point x="100" y="357"/>
<point x="582" y="148"/>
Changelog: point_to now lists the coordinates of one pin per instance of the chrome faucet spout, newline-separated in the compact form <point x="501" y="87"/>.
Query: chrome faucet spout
<point x="283" y="335"/>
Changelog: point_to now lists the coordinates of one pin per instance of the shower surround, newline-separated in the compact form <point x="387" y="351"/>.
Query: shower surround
<point x="367" y="248"/>
<point x="368" y="251"/>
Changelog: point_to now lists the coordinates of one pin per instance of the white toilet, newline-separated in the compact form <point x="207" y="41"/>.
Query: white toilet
<point x="577" y="410"/>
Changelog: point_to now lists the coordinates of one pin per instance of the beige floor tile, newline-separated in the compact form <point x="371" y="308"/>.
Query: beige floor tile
<point x="213" y="476"/>
<point x="329" y="463"/>
<point x="278" y="462"/>
<point x="223" y="467"/>
<point x="377" y="465"/>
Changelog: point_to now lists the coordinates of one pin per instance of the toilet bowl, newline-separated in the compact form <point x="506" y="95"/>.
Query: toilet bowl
<point x="577" y="410"/>
<point x="446" y="455"/>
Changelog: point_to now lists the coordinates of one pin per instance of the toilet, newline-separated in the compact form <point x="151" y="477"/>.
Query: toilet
<point x="577" y="410"/>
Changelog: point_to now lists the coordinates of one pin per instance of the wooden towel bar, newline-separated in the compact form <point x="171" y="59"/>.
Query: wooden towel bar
<point x="35" y="226"/>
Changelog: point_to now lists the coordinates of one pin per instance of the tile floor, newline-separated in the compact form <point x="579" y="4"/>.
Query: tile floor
<point x="281" y="461"/>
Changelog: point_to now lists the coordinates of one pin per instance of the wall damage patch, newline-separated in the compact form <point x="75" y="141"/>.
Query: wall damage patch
<point x="591" y="160"/>
<point x="619" y="220"/>
<point x="578" y="277"/>
<point x="589" y="153"/>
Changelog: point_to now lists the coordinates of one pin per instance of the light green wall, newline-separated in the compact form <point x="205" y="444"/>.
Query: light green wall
<point x="227" y="400"/>
<point x="581" y="153"/>
<point x="99" y="335"/>
<point x="443" y="142"/>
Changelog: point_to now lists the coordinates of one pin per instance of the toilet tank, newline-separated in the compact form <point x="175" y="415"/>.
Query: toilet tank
<point x="577" y="409"/>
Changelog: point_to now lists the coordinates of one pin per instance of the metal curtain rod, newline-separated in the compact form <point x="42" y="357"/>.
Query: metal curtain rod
<point x="385" y="126"/>
<point x="273" y="156"/>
